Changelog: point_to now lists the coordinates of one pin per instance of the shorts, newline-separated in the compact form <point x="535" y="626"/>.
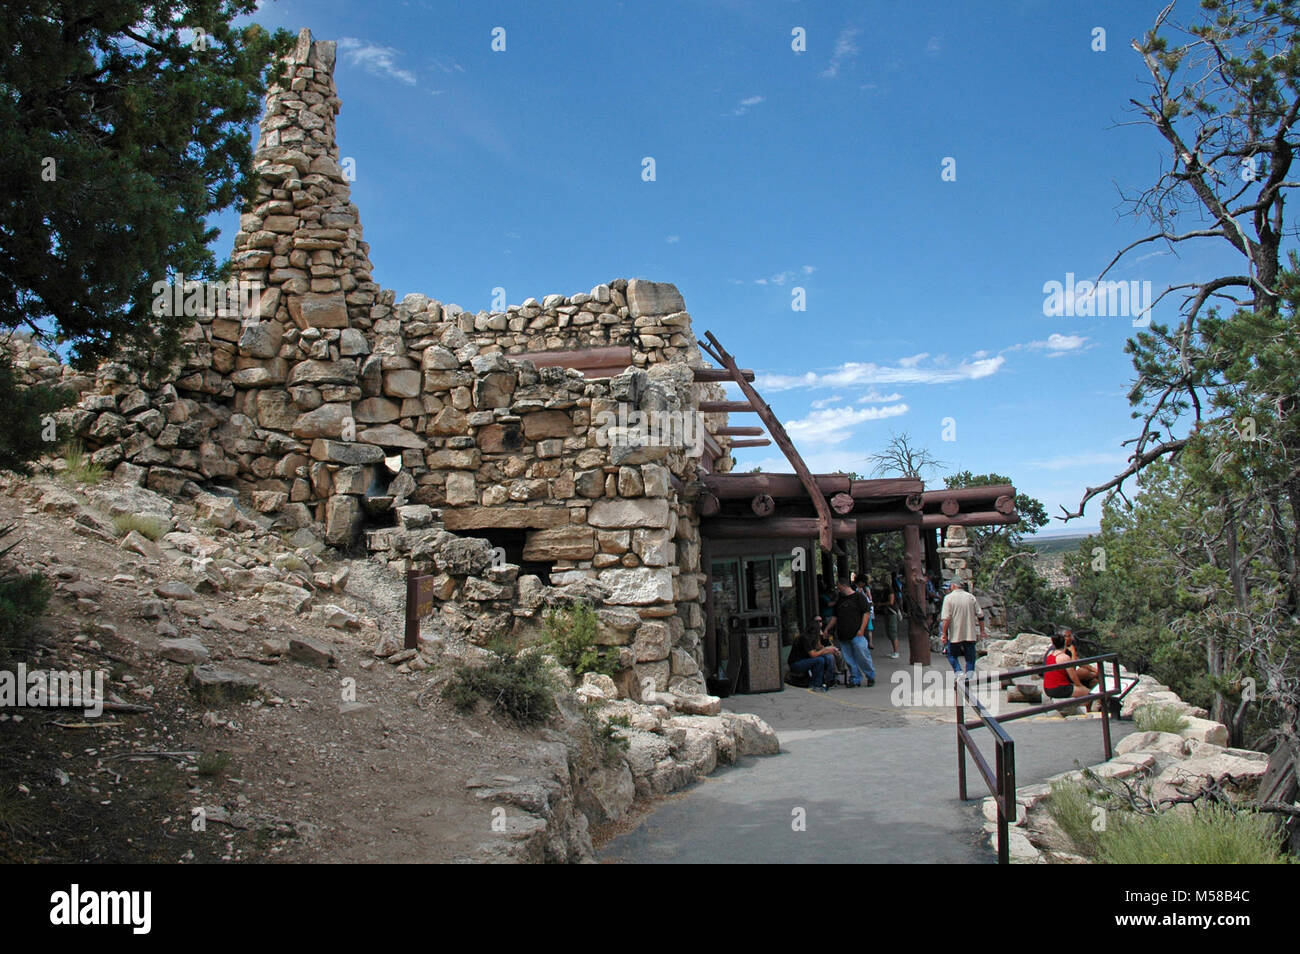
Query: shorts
<point x="1060" y="692"/>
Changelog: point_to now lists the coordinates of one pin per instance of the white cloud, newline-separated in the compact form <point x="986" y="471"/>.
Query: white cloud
<point x="834" y="425"/>
<point x="375" y="59"/>
<point x="907" y="371"/>
<point x="446" y="66"/>
<point x="743" y="106"/>
<point x="845" y="49"/>
<point x="673" y="239"/>
<point x="875" y="397"/>
<point x="1056" y="345"/>
<point x="825" y="402"/>
<point x="781" y="278"/>
<point x="934" y="46"/>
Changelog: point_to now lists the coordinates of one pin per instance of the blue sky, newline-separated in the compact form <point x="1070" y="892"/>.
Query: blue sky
<point x="778" y="170"/>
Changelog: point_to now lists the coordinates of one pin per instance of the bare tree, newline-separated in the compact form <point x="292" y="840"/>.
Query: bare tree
<point x="900" y="457"/>
<point x="1226" y="102"/>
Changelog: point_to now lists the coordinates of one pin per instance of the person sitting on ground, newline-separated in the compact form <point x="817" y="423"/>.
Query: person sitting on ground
<point x="849" y="623"/>
<point x="1063" y="683"/>
<point x="808" y="656"/>
<point x="1087" y="674"/>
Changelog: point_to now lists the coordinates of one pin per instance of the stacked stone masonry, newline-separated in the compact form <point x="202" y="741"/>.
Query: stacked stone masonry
<point x="418" y="430"/>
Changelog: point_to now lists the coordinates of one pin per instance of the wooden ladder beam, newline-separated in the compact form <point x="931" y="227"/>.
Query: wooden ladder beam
<point x="774" y="427"/>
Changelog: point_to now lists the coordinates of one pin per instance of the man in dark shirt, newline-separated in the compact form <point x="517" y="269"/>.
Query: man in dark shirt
<point x="849" y="623"/>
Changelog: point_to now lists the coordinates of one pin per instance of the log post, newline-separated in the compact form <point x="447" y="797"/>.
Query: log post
<point x="918" y="636"/>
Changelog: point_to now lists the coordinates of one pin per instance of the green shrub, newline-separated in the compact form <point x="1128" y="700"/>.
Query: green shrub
<point x="519" y="685"/>
<point x="571" y="639"/>
<point x="1071" y="806"/>
<point x="80" y="467"/>
<point x="212" y="764"/>
<point x="1156" y="718"/>
<point x="604" y="732"/>
<point x="27" y="414"/>
<point x="1213" y="835"/>
<point x="146" y="524"/>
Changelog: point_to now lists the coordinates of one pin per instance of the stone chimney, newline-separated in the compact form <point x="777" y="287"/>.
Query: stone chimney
<point x="302" y="238"/>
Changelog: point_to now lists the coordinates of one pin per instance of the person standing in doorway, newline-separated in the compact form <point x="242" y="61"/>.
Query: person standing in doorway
<point x="892" y="608"/>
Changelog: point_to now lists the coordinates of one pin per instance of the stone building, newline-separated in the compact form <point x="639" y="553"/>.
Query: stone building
<point x="518" y="454"/>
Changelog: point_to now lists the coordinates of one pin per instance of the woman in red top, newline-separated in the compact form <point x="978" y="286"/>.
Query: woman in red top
<point x="1063" y="683"/>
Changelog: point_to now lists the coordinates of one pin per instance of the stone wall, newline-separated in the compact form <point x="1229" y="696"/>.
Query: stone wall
<point x="416" y="429"/>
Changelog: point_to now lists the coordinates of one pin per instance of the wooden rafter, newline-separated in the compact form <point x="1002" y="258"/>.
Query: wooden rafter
<point x="774" y="427"/>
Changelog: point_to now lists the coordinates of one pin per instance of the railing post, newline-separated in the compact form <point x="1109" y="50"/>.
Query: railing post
<point x="1105" y="705"/>
<point x="961" y="745"/>
<point x="1012" y="810"/>
<point x="412" y="634"/>
<point x="1004" y="852"/>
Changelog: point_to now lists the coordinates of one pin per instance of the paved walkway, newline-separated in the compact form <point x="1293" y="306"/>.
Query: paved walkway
<point x="875" y="782"/>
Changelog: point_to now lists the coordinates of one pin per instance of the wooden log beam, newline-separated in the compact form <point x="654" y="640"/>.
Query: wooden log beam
<point x="842" y="503"/>
<point x="739" y="432"/>
<point x="707" y="505"/>
<point x="968" y="495"/>
<point x="782" y="439"/>
<point x="725" y="407"/>
<point x="720" y="374"/>
<point x="885" y="487"/>
<point x="763" y="443"/>
<point x="914" y="502"/>
<point x="782" y="526"/>
<point x="981" y="518"/>
<point x="735" y="486"/>
<point x="586" y="360"/>
<point x="763" y="505"/>
<point x="739" y="528"/>
<point x="949" y="507"/>
<point x="1005" y="504"/>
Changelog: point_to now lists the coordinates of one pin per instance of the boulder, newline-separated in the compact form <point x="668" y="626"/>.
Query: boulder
<point x="319" y="311"/>
<point x="653" y="298"/>
<point x="312" y="652"/>
<point x="213" y="684"/>
<point x="615" y="513"/>
<point x="573" y="542"/>
<point x="184" y="651"/>
<point x="640" y="586"/>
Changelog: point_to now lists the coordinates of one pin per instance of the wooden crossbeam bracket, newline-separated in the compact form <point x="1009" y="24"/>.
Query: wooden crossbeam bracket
<point x="725" y="407"/>
<point x="718" y="353"/>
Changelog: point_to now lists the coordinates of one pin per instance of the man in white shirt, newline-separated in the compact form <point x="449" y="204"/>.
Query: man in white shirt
<point x="960" y="613"/>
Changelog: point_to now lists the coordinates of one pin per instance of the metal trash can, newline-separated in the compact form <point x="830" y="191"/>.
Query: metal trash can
<point x="760" y="653"/>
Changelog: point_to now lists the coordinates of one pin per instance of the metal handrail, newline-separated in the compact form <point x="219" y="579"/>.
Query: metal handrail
<point x="1001" y="780"/>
